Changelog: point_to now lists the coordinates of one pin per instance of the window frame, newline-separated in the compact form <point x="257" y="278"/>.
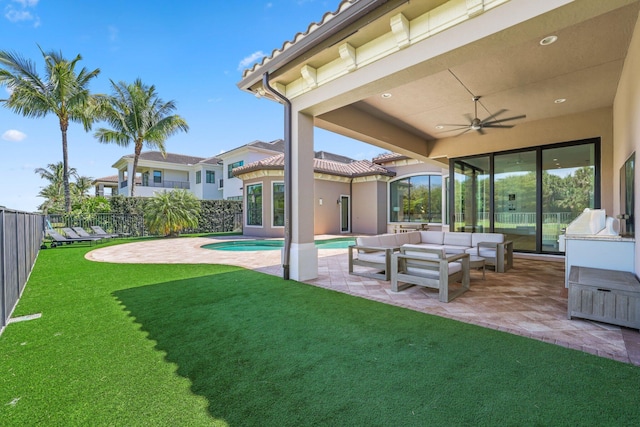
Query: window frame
<point x="249" y="210"/>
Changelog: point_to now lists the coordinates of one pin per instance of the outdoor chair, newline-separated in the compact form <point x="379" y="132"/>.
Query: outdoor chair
<point x="83" y="233"/>
<point x="58" y="239"/>
<point x="73" y="235"/>
<point x="431" y="268"/>
<point x="98" y="231"/>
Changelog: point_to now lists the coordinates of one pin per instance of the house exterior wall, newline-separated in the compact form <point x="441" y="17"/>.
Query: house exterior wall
<point x="233" y="186"/>
<point x="369" y="207"/>
<point x="326" y="209"/>
<point x="626" y="127"/>
<point x="266" y="229"/>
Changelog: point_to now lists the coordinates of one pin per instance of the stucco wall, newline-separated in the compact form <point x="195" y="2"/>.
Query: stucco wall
<point x="626" y="126"/>
<point x="327" y="214"/>
<point x="369" y="213"/>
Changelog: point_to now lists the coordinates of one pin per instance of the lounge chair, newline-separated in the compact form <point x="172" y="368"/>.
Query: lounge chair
<point x="73" y="235"/>
<point x="58" y="239"/>
<point x="98" y="231"/>
<point x="83" y="233"/>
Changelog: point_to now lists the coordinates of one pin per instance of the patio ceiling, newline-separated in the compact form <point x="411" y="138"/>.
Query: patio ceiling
<point x="508" y="68"/>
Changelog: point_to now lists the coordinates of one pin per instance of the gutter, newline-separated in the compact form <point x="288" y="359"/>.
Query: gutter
<point x="287" y="173"/>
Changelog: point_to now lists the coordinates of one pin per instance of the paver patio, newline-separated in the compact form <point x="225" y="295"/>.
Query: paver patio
<point x="529" y="300"/>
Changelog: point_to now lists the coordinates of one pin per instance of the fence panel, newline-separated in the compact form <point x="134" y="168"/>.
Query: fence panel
<point x="21" y="235"/>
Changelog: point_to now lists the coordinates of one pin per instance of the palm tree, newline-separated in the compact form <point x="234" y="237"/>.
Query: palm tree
<point x="136" y="114"/>
<point x="63" y="92"/>
<point x="81" y="187"/>
<point x="170" y="212"/>
<point x="53" y="193"/>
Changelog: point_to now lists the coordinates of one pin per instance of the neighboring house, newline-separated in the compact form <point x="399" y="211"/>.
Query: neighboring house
<point x="349" y="196"/>
<point x="106" y="186"/>
<point x="156" y="172"/>
<point x="241" y="156"/>
<point x="561" y="75"/>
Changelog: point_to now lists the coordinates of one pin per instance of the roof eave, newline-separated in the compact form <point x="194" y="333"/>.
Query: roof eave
<point x="311" y="40"/>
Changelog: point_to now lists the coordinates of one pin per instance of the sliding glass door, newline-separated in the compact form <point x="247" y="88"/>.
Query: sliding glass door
<point x="515" y="181"/>
<point x="529" y="195"/>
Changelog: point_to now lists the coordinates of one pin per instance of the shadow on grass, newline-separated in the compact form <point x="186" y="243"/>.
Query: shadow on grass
<point x="268" y="352"/>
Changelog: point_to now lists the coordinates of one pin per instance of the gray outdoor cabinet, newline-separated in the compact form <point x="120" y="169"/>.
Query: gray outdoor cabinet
<point x="608" y="296"/>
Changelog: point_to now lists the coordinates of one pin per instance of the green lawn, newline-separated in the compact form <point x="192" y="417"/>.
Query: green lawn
<point x="197" y="345"/>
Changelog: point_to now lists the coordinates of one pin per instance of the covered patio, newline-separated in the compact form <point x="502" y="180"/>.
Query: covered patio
<point x="403" y="76"/>
<point x="529" y="300"/>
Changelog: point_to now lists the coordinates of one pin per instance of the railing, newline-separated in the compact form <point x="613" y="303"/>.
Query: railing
<point x="20" y="239"/>
<point x="164" y="184"/>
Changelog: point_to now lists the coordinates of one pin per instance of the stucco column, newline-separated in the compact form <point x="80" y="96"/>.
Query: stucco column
<point x="303" y="259"/>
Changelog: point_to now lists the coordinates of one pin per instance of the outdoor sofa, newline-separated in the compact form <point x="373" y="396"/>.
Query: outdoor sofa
<point x="374" y="252"/>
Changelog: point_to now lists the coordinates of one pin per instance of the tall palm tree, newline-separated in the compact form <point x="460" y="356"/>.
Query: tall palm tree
<point x="63" y="92"/>
<point x="136" y="114"/>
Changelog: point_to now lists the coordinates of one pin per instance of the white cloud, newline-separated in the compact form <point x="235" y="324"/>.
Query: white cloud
<point x="113" y="33"/>
<point x="13" y="135"/>
<point x="27" y="3"/>
<point x="14" y="15"/>
<point x="249" y="60"/>
<point x="21" y="12"/>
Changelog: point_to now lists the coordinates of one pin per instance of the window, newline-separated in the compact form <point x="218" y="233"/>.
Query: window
<point x="416" y="199"/>
<point x="221" y="184"/>
<point x="157" y="177"/>
<point x="210" y="177"/>
<point x="278" y="204"/>
<point x="254" y="204"/>
<point x="198" y="177"/>
<point x="232" y="166"/>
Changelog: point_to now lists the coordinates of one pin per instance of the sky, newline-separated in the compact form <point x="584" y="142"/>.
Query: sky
<point x="193" y="52"/>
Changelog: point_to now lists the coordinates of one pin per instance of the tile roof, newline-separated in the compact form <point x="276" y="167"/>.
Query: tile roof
<point x="110" y="178"/>
<point x="170" y="157"/>
<point x="332" y="167"/>
<point x="344" y="5"/>
<point x="389" y="157"/>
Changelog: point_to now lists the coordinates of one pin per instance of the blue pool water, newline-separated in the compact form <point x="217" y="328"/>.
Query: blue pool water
<point x="271" y="245"/>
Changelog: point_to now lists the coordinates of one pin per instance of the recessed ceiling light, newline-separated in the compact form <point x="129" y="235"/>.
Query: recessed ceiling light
<point x="439" y="127"/>
<point x="548" y="40"/>
<point x="386" y="95"/>
<point x="555" y="160"/>
<point x="560" y="100"/>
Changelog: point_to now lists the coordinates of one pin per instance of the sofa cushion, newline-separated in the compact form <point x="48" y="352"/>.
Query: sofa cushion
<point x="484" y="252"/>
<point x="387" y="240"/>
<point x="409" y="237"/>
<point x="372" y="241"/>
<point x="486" y="237"/>
<point x="432" y="237"/>
<point x="377" y="257"/>
<point x="408" y="251"/>
<point x="454" y="249"/>
<point x="456" y="238"/>
<point x="454" y="267"/>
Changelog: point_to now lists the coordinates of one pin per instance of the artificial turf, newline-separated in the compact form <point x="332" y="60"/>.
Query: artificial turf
<point x="196" y="345"/>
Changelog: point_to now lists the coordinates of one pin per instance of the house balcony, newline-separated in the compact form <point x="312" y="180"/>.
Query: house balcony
<point x="148" y="189"/>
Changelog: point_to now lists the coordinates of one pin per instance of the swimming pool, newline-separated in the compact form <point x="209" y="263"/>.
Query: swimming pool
<point x="272" y="245"/>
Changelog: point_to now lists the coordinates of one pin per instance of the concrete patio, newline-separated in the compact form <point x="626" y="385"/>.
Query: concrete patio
<point x="529" y="300"/>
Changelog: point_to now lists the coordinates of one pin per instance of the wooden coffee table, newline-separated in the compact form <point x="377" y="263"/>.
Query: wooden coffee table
<point x="477" y="262"/>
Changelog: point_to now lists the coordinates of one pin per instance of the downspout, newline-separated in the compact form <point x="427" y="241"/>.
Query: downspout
<point x="287" y="173"/>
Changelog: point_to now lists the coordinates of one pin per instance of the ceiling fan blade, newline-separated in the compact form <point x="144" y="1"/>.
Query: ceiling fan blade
<point x="480" y="131"/>
<point x="462" y="133"/>
<point x="504" y="120"/>
<point x="454" y="124"/>
<point x="493" y="116"/>
<point x="490" y="125"/>
<point x="468" y="117"/>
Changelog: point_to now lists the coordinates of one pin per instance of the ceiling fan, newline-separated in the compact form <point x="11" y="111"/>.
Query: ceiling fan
<point x="479" y="125"/>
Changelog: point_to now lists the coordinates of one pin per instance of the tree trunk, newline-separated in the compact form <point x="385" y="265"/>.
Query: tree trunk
<point x="132" y="178"/>
<point x="65" y="166"/>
